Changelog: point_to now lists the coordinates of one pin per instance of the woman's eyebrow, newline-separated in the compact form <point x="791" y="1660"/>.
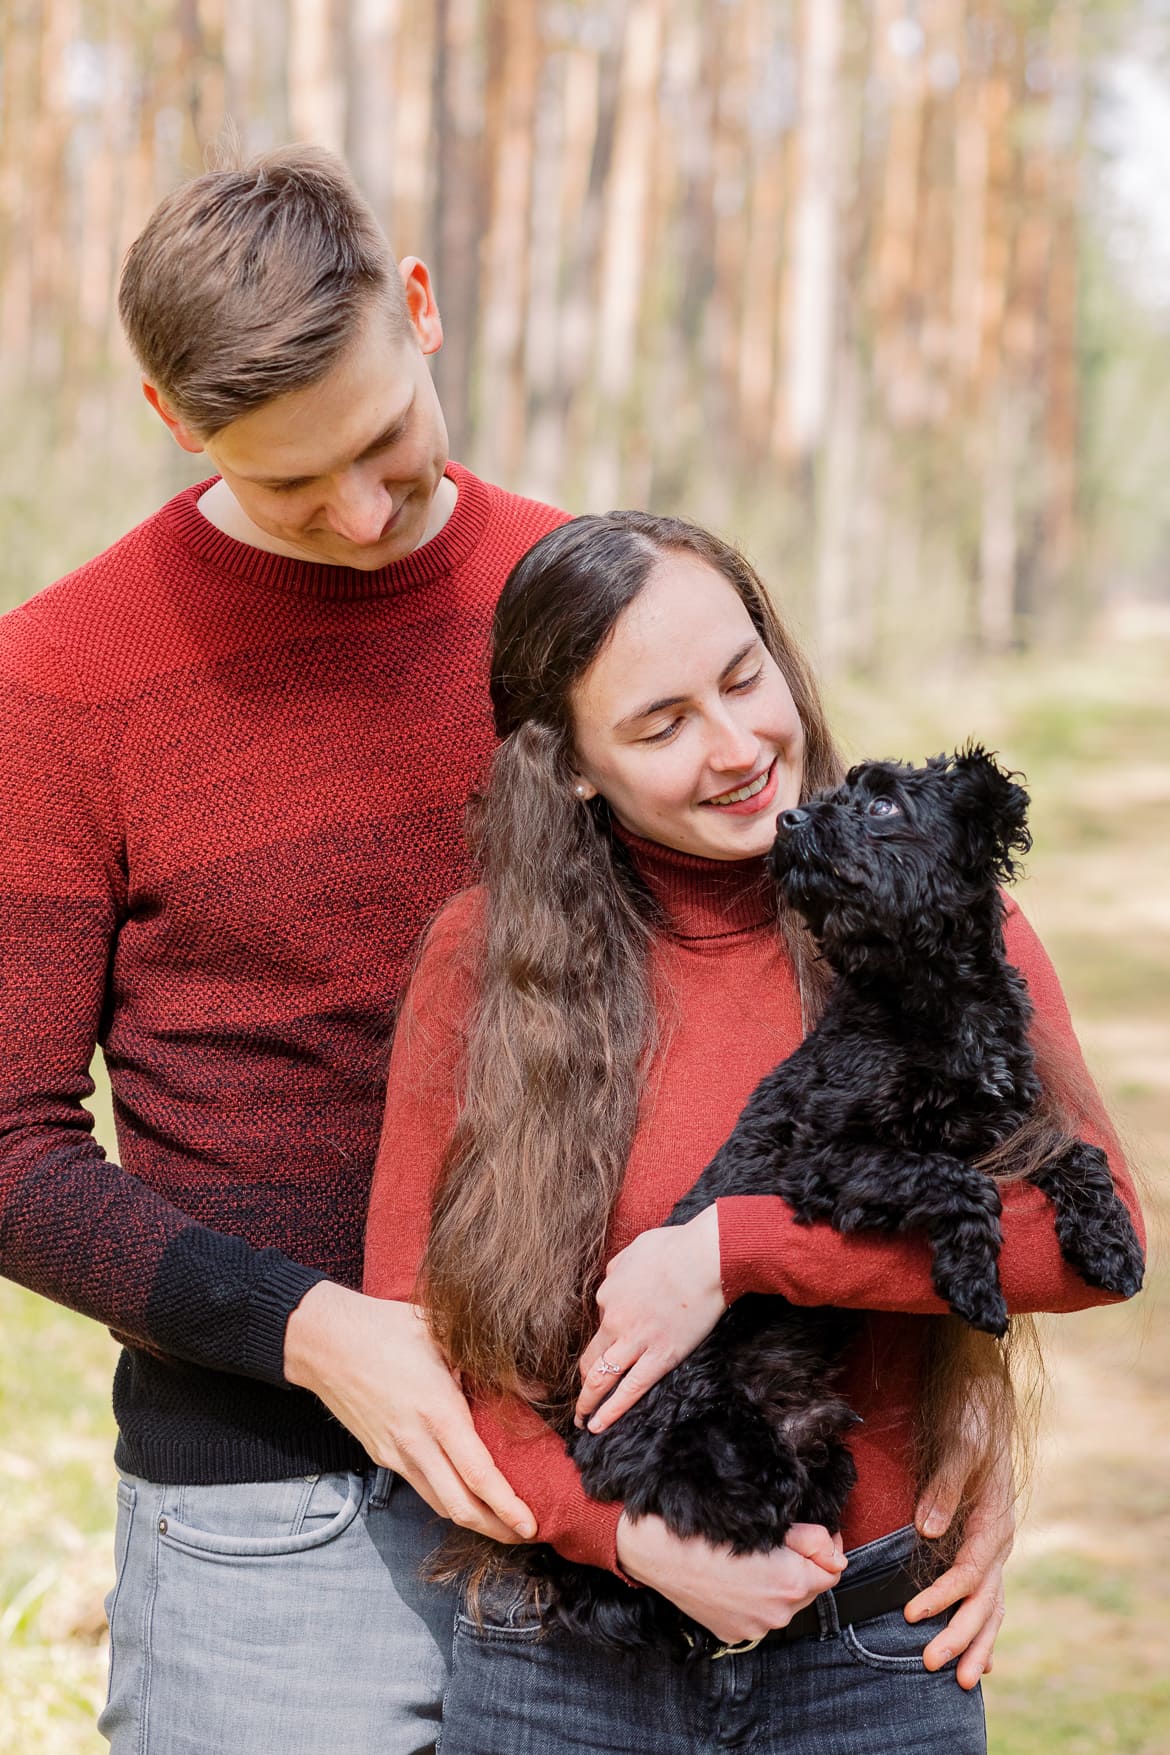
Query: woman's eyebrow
<point x="666" y="701"/>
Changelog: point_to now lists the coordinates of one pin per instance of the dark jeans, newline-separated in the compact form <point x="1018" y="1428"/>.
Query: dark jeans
<point x="858" y="1690"/>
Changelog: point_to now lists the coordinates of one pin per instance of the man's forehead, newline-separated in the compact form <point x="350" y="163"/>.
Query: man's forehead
<point x="324" y="427"/>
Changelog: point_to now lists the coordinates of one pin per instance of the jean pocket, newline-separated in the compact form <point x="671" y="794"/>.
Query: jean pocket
<point x="890" y="1642"/>
<point x="259" y="1520"/>
<point x="504" y="1606"/>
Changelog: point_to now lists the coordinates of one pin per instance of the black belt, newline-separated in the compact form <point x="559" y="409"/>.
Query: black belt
<point x="889" y="1588"/>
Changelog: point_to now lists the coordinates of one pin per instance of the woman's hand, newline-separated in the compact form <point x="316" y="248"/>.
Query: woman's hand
<point x="374" y="1364"/>
<point x="735" y="1596"/>
<point x="660" y="1297"/>
<point x="975" y="1578"/>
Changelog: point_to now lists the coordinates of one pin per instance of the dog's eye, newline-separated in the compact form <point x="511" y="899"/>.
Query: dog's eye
<point x="881" y="807"/>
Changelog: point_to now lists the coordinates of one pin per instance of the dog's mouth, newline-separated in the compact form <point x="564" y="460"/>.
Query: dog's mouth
<point x="804" y="858"/>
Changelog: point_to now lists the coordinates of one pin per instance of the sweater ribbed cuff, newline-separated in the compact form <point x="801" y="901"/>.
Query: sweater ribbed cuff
<point x="590" y="1537"/>
<point x="271" y="1304"/>
<point x="752" y="1249"/>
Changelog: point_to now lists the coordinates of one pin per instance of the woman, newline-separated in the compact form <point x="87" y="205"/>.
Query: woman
<point x="579" y="1038"/>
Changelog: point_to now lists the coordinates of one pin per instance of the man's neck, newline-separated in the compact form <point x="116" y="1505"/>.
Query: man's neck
<point x="220" y="507"/>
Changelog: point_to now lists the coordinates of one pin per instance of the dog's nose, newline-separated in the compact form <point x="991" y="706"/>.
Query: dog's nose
<point x="792" y="819"/>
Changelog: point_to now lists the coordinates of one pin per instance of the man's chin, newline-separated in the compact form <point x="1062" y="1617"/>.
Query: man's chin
<point x="367" y="560"/>
<point x="406" y="534"/>
<point x="365" y="557"/>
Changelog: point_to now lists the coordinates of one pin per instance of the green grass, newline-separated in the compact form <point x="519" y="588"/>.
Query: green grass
<point x="57" y="1480"/>
<point x="1080" y="1715"/>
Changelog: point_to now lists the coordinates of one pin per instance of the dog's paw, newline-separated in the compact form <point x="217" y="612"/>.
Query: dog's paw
<point x="980" y="1303"/>
<point x="1109" y="1258"/>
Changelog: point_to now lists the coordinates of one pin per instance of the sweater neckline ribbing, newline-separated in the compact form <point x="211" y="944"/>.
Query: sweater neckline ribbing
<point x="702" y="898"/>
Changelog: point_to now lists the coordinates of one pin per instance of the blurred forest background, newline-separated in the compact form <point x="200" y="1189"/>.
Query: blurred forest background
<point x="865" y="282"/>
<point x="879" y="288"/>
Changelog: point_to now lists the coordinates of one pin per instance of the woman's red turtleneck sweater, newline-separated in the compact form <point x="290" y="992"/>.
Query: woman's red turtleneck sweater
<point x="734" y="1013"/>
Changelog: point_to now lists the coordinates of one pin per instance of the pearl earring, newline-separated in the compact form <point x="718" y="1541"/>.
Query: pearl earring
<point x="580" y="791"/>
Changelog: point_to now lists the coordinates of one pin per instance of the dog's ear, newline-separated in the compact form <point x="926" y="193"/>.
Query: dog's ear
<point x="994" y="811"/>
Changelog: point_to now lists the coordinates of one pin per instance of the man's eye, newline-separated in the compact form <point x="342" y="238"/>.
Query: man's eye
<point x="881" y="807"/>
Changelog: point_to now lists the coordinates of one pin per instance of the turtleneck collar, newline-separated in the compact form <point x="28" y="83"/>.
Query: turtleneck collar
<point x="702" y="898"/>
<point x="442" y="554"/>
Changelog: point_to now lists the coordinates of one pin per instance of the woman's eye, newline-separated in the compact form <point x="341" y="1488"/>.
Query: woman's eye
<point x="881" y="807"/>
<point x="661" y="736"/>
<point x="748" y="682"/>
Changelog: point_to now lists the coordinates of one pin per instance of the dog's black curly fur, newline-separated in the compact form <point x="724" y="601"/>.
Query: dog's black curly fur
<point x="919" y="1067"/>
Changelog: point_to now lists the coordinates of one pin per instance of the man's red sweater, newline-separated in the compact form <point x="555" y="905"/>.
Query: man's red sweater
<point x="233" y="796"/>
<point x="731" y="1011"/>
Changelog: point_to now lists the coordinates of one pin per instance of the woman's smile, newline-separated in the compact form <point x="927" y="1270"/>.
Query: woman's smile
<point x="755" y="795"/>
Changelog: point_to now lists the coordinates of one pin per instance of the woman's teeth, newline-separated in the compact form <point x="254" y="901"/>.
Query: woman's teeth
<point x="744" y="791"/>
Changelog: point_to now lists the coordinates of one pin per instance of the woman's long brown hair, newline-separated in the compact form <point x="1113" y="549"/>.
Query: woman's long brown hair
<point x="563" y="1030"/>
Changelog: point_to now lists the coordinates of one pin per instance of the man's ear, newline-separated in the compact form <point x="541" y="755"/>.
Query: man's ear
<point x="420" y="303"/>
<point x="180" y="431"/>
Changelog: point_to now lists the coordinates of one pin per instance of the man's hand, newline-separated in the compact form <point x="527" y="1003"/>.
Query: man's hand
<point x="735" y="1596"/>
<point x="975" y="1579"/>
<point x="374" y="1364"/>
<point x="659" y="1299"/>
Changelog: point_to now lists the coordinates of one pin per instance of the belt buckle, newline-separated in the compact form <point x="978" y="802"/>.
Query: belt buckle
<point x="728" y="1650"/>
<point x="734" y="1650"/>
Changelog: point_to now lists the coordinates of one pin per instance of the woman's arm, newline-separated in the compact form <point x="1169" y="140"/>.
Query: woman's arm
<point x="735" y="1596"/>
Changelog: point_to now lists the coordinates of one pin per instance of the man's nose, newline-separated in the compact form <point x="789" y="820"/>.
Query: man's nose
<point x="360" y="510"/>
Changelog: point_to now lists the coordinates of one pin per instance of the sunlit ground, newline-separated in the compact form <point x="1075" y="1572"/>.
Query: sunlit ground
<point x="1082" y="1662"/>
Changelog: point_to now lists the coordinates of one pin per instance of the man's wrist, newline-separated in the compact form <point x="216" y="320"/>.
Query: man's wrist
<point x="309" y="1329"/>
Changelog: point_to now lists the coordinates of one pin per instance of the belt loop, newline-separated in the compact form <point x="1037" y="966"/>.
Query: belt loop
<point x="826" y="1607"/>
<point x="381" y="1487"/>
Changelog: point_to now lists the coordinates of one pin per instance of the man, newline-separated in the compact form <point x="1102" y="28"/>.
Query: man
<point x="237" y="748"/>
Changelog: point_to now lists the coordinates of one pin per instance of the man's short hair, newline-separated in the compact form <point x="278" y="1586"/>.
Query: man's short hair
<point x="248" y="283"/>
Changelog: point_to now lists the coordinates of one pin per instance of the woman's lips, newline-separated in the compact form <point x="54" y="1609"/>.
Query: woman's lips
<point x="750" y="807"/>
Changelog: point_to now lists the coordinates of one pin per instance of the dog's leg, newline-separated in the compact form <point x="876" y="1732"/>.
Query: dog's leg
<point x="1093" y="1228"/>
<point x="883" y="1189"/>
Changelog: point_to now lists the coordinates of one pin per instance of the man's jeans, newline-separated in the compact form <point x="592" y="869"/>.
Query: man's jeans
<point x="282" y="1616"/>
<point x="858" y="1690"/>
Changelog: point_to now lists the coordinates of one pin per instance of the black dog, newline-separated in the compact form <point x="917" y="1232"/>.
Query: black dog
<point x="919" y="1067"/>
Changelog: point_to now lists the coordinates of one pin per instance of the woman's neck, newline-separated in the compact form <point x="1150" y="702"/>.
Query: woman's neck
<point x="701" y="898"/>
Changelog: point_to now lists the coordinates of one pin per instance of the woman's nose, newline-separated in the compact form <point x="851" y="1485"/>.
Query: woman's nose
<point x="734" y="747"/>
